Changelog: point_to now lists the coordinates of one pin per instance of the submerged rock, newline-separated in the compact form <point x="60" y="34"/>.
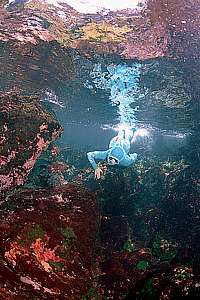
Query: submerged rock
<point x="47" y="239"/>
<point x="165" y="96"/>
<point x="25" y="131"/>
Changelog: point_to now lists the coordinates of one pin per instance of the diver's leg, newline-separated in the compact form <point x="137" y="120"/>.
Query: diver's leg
<point x="126" y="141"/>
<point x="113" y="142"/>
<point x="116" y="139"/>
<point x="124" y="136"/>
<point x="121" y="133"/>
<point x="128" y="135"/>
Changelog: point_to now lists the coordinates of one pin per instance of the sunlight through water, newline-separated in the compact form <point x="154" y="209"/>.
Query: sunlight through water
<point x="93" y="6"/>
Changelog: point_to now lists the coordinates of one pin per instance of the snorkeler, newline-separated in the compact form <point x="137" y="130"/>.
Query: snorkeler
<point x="117" y="154"/>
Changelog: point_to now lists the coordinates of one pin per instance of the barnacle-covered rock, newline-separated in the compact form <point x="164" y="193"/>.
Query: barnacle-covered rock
<point x="25" y="131"/>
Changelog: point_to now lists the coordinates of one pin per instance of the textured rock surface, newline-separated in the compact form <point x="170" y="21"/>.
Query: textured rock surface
<point x="165" y="97"/>
<point x="181" y="19"/>
<point x="47" y="242"/>
<point x="159" y="29"/>
<point x="35" y="69"/>
<point x="25" y="131"/>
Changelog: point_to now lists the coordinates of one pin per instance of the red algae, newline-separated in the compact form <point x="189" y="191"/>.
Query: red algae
<point x="50" y="243"/>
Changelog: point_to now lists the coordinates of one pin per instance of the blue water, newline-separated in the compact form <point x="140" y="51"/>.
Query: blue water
<point x="111" y="96"/>
<point x="100" y="96"/>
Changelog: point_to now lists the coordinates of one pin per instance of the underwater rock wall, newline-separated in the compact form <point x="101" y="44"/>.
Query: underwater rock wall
<point x="165" y="96"/>
<point x="25" y="131"/>
<point x="36" y="69"/>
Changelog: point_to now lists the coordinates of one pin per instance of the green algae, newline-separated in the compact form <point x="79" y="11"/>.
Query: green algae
<point x="35" y="232"/>
<point x="129" y="246"/>
<point x="92" y="294"/>
<point x="69" y="235"/>
<point x="32" y="234"/>
<point x="142" y="265"/>
<point x="9" y="205"/>
<point x="163" y="249"/>
<point x="64" y="253"/>
<point x="56" y="265"/>
<point x="148" y="291"/>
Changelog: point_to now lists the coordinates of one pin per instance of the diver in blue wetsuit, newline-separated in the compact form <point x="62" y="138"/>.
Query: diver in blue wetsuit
<point x="117" y="154"/>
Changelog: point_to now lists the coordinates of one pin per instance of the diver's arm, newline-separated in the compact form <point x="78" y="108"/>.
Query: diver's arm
<point x="96" y="155"/>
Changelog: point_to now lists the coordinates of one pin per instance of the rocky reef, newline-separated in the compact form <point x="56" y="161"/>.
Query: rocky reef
<point x="26" y="130"/>
<point x="47" y="243"/>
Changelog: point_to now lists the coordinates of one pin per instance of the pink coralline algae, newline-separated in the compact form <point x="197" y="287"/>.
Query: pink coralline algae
<point x="41" y="144"/>
<point x="44" y="255"/>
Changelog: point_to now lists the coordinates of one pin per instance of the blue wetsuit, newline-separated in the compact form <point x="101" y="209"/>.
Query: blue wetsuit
<point x="119" y="148"/>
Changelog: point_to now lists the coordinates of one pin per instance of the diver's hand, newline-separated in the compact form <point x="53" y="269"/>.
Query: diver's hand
<point x="97" y="173"/>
